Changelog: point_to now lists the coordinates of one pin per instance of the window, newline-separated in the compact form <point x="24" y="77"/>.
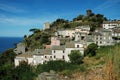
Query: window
<point x="50" y="56"/>
<point x="63" y="57"/>
<point x="100" y="42"/>
<point x="96" y="42"/>
<point x="77" y="46"/>
<point x="45" y="56"/>
<point x="54" y="56"/>
<point x="82" y="38"/>
<point x="54" y="51"/>
<point x="63" y="51"/>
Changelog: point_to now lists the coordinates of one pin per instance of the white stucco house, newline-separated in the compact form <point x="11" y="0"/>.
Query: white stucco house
<point x="39" y="56"/>
<point x="110" y="24"/>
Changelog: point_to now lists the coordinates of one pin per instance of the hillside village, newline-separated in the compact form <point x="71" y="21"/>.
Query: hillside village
<point x="63" y="41"/>
<point x="85" y="48"/>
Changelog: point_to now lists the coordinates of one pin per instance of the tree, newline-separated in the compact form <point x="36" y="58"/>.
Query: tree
<point x="24" y="72"/>
<point x="76" y="57"/>
<point x="80" y="17"/>
<point x="91" y="50"/>
<point x="34" y="30"/>
<point x="7" y="64"/>
<point x="57" y="65"/>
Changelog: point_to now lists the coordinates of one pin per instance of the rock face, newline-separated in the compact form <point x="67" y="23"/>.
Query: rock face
<point x="48" y="76"/>
<point x="52" y="76"/>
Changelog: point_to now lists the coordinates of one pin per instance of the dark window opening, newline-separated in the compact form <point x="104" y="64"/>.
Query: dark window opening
<point x="82" y="38"/>
<point x="63" y="51"/>
<point x="54" y="56"/>
<point x="63" y="57"/>
<point x="45" y="56"/>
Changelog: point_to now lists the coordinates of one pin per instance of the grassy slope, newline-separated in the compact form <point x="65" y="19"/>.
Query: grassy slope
<point x="104" y="66"/>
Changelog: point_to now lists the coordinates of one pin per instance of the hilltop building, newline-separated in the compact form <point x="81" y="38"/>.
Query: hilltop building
<point x="46" y="26"/>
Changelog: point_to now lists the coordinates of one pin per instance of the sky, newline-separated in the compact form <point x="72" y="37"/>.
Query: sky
<point x="17" y="17"/>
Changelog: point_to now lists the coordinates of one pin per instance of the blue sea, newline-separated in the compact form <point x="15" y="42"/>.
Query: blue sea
<point x="9" y="42"/>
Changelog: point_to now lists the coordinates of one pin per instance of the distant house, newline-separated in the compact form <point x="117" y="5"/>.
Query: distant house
<point x="23" y="57"/>
<point x="65" y="33"/>
<point x="110" y="24"/>
<point x="83" y="29"/>
<point x="116" y="34"/>
<point x="79" y="36"/>
<point x="58" y="52"/>
<point x="73" y="46"/>
<point x="60" y="33"/>
<point x="54" y="42"/>
<point x="20" y="48"/>
<point x="103" y="37"/>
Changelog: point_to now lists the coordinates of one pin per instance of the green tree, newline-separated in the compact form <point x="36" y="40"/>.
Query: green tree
<point x="24" y="72"/>
<point x="76" y="57"/>
<point x="34" y="30"/>
<point x="91" y="50"/>
<point x="80" y="17"/>
<point x="58" y="65"/>
<point x="7" y="64"/>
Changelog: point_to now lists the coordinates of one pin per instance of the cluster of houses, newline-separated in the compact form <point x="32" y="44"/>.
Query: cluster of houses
<point x="64" y="41"/>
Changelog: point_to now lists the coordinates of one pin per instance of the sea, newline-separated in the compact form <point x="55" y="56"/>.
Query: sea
<point x="9" y="42"/>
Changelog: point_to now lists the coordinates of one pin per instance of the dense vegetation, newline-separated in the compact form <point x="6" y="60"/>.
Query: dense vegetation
<point x="92" y="19"/>
<point x="91" y="50"/>
<point x="37" y="40"/>
<point x="76" y="57"/>
<point x="9" y="72"/>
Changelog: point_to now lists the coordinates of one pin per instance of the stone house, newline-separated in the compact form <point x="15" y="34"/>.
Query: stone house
<point x="65" y="33"/>
<point x="38" y="56"/>
<point x="60" y="33"/>
<point x="20" y="48"/>
<point x="73" y="46"/>
<point x="58" y="52"/>
<point x="83" y="29"/>
<point x="103" y="37"/>
<point x="110" y="24"/>
<point x="79" y="36"/>
<point x="54" y="42"/>
<point x="116" y="34"/>
<point x="27" y="57"/>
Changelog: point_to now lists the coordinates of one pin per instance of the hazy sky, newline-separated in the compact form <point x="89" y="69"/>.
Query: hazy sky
<point x="18" y="16"/>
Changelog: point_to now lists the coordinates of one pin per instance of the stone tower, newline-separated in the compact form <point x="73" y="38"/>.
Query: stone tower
<point x="46" y="25"/>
